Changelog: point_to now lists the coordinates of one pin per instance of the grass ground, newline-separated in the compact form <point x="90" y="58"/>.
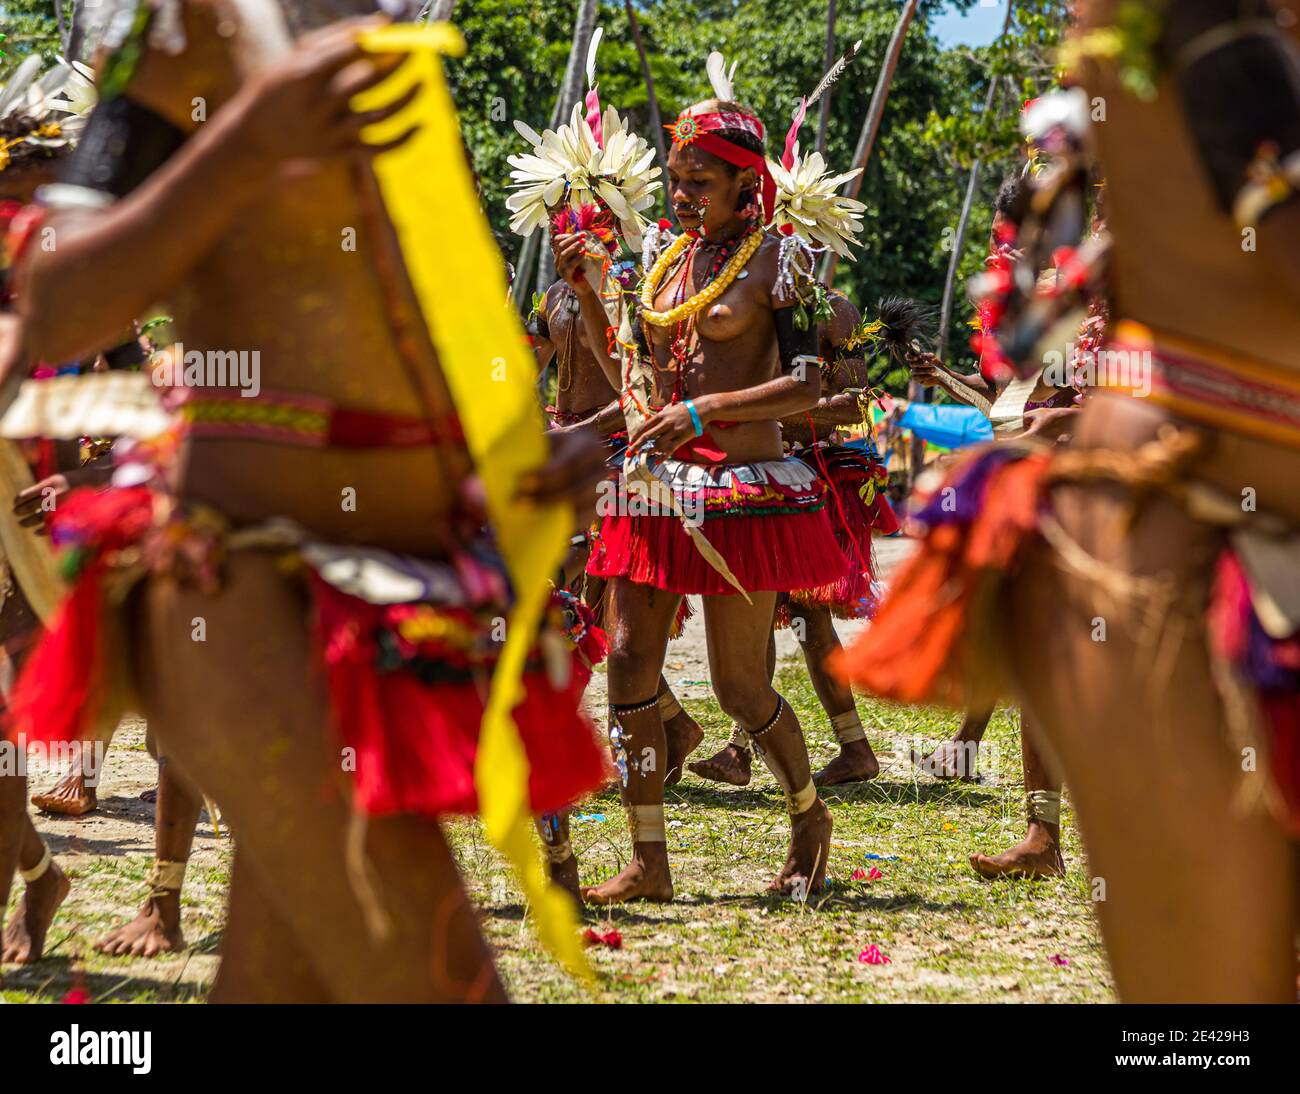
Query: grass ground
<point x="948" y="935"/>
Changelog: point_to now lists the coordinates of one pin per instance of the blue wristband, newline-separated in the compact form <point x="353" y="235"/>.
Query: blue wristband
<point x="695" y="417"/>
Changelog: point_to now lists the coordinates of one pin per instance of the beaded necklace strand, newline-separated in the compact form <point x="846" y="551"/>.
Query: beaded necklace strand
<point x="707" y="295"/>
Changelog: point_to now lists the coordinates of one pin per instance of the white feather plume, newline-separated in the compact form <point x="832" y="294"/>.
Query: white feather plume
<point x="591" y="56"/>
<point x="716" y="67"/>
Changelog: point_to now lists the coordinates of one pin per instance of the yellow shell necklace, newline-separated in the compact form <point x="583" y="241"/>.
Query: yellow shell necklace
<point x="706" y="295"/>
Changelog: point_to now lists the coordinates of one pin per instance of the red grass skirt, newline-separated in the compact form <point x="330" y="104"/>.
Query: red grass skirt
<point x="774" y="532"/>
<point x="416" y="741"/>
<point x="857" y="508"/>
<point x="411" y="708"/>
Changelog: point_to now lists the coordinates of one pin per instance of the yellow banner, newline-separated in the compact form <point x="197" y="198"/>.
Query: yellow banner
<point x="459" y="277"/>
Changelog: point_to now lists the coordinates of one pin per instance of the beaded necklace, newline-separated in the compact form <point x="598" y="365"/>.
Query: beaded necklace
<point x="712" y="290"/>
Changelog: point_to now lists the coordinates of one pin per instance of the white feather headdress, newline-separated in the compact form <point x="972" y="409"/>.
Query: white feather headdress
<point x="576" y="166"/>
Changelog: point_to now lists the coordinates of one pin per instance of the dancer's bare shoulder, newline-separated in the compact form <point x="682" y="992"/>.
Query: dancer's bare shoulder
<point x="187" y="57"/>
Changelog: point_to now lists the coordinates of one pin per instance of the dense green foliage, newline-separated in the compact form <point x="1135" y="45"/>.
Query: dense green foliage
<point x="930" y="131"/>
<point x="28" y="26"/>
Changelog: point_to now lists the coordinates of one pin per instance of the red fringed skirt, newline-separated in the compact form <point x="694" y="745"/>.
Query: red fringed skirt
<point x="857" y="507"/>
<point x="768" y="520"/>
<point x="407" y="682"/>
<point x="407" y="688"/>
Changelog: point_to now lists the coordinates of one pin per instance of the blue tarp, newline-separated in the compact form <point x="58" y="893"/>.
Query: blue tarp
<point x="946" y="426"/>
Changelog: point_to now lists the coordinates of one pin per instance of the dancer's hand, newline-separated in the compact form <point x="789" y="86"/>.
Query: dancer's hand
<point x="576" y="465"/>
<point x="299" y="108"/>
<point x="924" y="368"/>
<point x="30" y="505"/>
<point x="570" y="251"/>
<point x="669" y="429"/>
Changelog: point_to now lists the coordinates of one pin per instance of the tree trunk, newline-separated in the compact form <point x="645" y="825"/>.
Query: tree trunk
<point x="867" y="138"/>
<point x="570" y="93"/>
<point x="950" y="282"/>
<point x="915" y="390"/>
<point x="531" y="271"/>
<point x="656" y="123"/>
<point x="437" y="11"/>
<point x="824" y="118"/>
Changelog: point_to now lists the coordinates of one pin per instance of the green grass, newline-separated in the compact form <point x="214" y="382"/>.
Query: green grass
<point x="949" y="935"/>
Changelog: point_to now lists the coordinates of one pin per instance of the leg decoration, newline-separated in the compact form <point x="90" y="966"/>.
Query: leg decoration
<point x="669" y="707"/>
<point x="848" y="727"/>
<point x="740" y="739"/>
<point x="556" y="845"/>
<point x="637" y="735"/>
<point x="1044" y="806"/>
<point x="38" y="871"/>
<point x="166" y="877"/>
<point x="780" y="742"/>
<point x="646" y="823"/>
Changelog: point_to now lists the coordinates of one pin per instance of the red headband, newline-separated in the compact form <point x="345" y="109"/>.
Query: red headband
<point x="700" y="130"/>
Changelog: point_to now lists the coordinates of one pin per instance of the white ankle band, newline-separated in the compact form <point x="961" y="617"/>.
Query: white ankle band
<point x="801" y="800"/>
<point x="739" y="738"/>
<point x="1044" y="805"/>
<point x="38" y="871"/>
<point x="848" y="727"/>
<point x="646" y="823"/>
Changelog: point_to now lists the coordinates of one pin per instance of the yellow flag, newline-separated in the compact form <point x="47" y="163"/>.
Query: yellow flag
<point x="459" y="278"/>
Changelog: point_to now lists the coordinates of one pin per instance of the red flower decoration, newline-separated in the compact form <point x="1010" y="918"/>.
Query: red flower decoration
<point x="1057" y="959"/>
<point x="611" y="939"/>
<point x="872" y="956"/>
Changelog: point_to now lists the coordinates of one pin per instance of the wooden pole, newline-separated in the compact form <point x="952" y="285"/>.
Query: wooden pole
<point x="824" y="118"/>
<point x="870" y="125"/>
<point x="656" y="122"/>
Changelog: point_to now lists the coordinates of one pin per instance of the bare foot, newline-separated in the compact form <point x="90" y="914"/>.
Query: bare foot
<point x="70" y="796"/>
<point x="565" y="875"/>
<point x="810" y="842"/>
<point x="684" y="737"/>
<point x="731" y="765"/>
<point x="646" y="877"/>
<point x="1038" y="855"/>
<point x="24" y="939"/>
<point x="157" y="929"/>
<point x="954" y="759"/>
<point x="856" y="763"/>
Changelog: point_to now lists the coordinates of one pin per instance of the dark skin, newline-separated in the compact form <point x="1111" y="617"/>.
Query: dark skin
<point x="1038" y="855"/>
<point x="264" y="264"/>
<point x="733" y="373"/>
<point x="583" y="389"/>
<point x="1147" y="750"/>
<point x="812" y="623"/>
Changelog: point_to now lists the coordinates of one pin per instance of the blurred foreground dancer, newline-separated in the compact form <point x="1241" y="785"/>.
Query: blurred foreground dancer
<point x="305" y="595"/>
<point x="1147" y="571"/>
